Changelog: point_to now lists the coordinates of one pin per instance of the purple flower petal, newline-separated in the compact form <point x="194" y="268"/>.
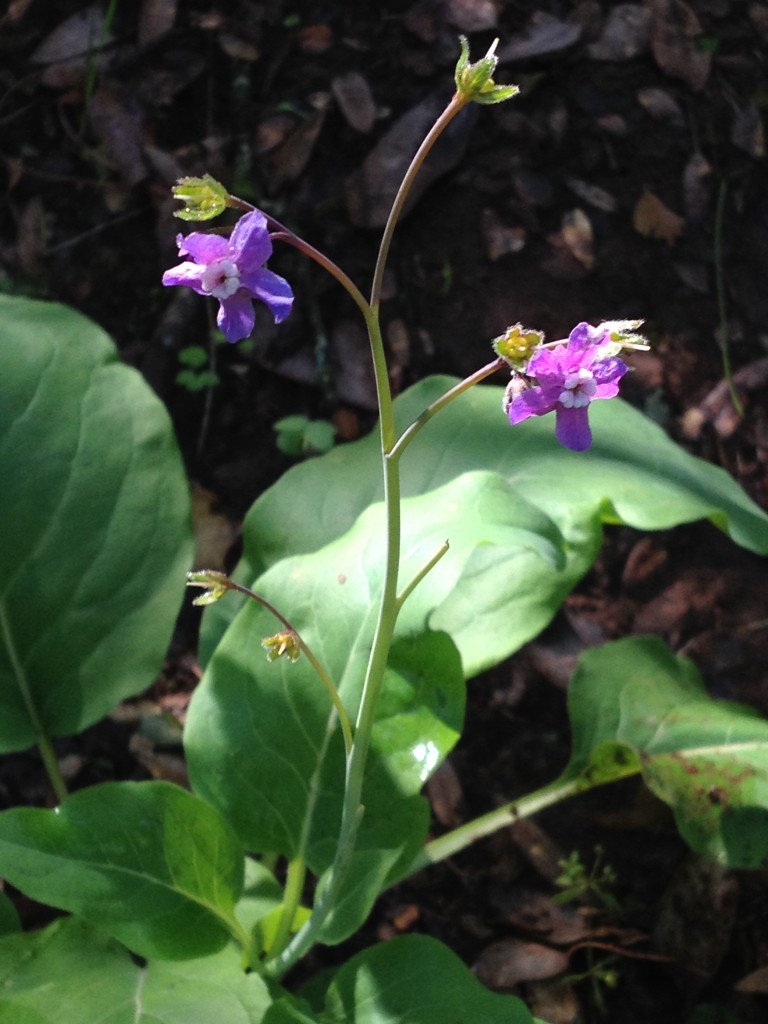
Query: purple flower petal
<point x="202" y="248"/>
<point x="232" y="270"/>
<point x="572" y="428"/>
<point x="249" y="243"/>
<point x="530" y="403"/>
<point x="188" y="274"/>
<point x="236" y="316"/>
<point x="271" y="289"/>
<point x="567" y="379"/>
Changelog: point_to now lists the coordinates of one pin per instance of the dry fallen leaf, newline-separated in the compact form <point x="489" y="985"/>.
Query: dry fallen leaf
<point x="579" y="237"/>
<point x="214" y="533"/>
<point x="72" y="47"/>
<point x="655" y="220"/>
<point x="353" y="94"/>
<point x="292" y="157"/>
<point x="157" y="17"/>
<point x="624" y="35"/>
<point x="504" y="964"/>
<point x="471" y="15"/>
<point x="675" y="33"/>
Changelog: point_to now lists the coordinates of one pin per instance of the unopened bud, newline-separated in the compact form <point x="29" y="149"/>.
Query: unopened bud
<point x="216" y="584"/>
<point x="475" y="81"/>
<point x="516" y="345"/>
<point x="203" y="198"/>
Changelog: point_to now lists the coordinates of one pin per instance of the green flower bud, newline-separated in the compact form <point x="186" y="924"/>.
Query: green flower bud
<point x="216" y="584"/>
<point x="475" y="82"/>
<point x="516" y="345"/>
<point x="282" y="644"/>
<point x="203" y="198"/>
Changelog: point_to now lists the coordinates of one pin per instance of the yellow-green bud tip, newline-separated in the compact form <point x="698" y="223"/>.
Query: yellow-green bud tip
<point x="474" y="82"/>
<point x="216" y="585"/>
<point x="203" y="198"/>
<point x="516" y="345"/>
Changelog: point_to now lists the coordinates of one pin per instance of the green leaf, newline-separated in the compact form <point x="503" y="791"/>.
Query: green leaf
<point x="257" y="733"/>
<point x="96" y="525"/>
<point x="72" y="972"/>
<point x="193" y="356"/>
<point x="153" y="865"/>
<point x="633" y="474"/>
<point x="9" y="918"/>
<point x="414" y="979"/>
<point x="633" y="704"/>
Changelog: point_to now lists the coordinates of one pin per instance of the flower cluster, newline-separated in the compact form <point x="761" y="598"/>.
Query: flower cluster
<point x="232" y="270"/>
<point x="569" y="375"/>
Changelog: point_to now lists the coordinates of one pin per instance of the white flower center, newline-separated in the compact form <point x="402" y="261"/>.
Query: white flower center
<point x="221" y="278"/>
<point x="578" y="390"/>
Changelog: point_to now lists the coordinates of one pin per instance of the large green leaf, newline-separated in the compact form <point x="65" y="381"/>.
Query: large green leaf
<point x="257" y="735"/>
<point x="633" y="474"/>
<point x="95" y="519"/>
<point x="150" y="863"/>
<point x="633" y="704"/>
<point x="72" y="972"/>
<point x="415" y="980"/>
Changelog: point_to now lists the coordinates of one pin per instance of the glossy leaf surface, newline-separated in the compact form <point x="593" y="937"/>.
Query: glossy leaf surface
<point x="153" y="865"/>
<point x="72" y="972"/>
<point x="633" y="474"/>
<point x="95" y="519"/>
<point x="635" y="704"/>
<point x="415" y="980"/>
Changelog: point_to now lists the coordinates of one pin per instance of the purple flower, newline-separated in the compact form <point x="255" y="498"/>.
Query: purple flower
<point x="232" y="270"/>
<point x="569" y="377"/>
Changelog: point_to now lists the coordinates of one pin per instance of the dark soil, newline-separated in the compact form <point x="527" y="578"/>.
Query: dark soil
<point x="627" y="180"/>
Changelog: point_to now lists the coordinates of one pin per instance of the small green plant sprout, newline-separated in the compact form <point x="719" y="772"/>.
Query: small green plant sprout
<point x="197" y="374"/>
<point x="299" y="435"/>
<point x="579" y="884"/>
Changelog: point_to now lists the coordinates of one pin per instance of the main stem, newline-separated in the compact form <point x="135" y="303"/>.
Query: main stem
<point x="352" y="807"/>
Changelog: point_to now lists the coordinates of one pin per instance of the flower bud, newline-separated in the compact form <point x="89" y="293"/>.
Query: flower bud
<point x="516" y="345"/>
<point x="203" y="198"/>
<point x="216" y="584"/>
<point x="475" y="82"/>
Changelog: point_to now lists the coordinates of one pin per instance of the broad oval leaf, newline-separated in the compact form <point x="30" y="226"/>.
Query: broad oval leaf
<point x="707" y="759"/>
<point x="633" y="474"/>
<point x="414" y="979"/>
<point x="71" y="971"/>
<point x="96" y="525"/>
<point x="258" y="735"/>
<point x="151" y="864"/>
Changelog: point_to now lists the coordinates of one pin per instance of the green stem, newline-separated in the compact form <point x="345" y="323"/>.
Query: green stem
<point x="43" y="740"/>
<point x="407" y="590"/>
<point x="307" y="651"/>
<point x="284" y="234"/>
<point x="457" y="103"/>
<point x="294" y="886"/>
<point x="352" y="807"/>
<point x="455" y="841"/>
<point x="722" y="303"/>
<point x="408" y="435"/>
